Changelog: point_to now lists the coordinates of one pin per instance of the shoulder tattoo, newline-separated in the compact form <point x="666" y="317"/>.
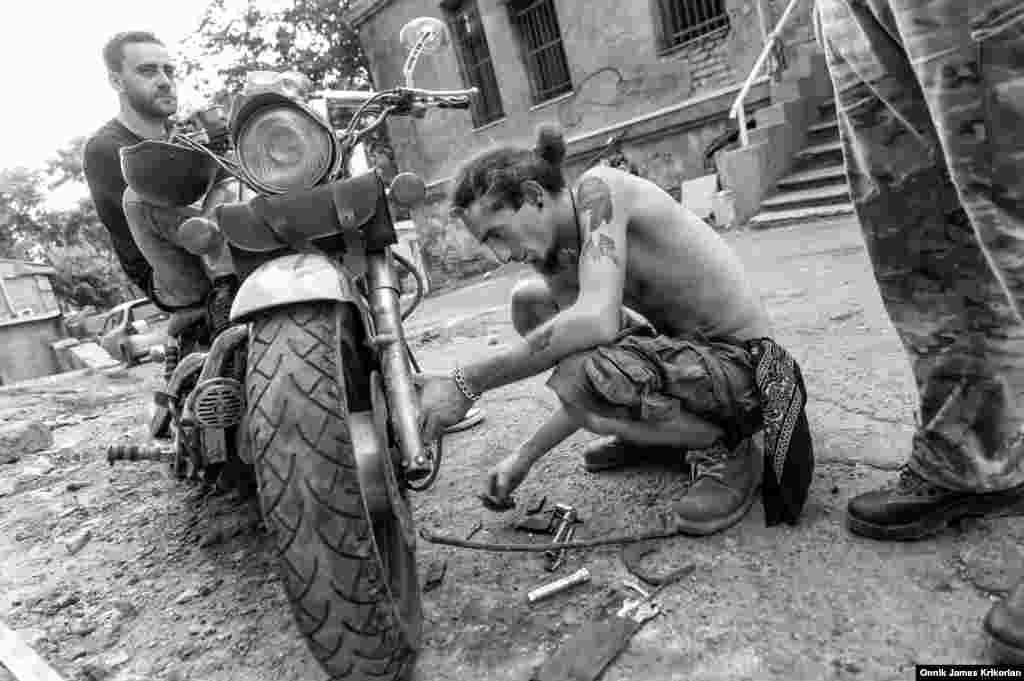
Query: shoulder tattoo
<point x="595" y="198"/>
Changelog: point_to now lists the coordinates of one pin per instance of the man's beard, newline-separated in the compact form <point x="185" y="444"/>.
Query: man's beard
<point x="147" y="108"/>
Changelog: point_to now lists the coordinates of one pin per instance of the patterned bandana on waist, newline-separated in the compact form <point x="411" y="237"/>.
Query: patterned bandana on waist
<point x="788" y="449"/>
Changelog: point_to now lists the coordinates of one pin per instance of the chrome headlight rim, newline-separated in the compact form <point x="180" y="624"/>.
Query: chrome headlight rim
<point x="252" y="108"/>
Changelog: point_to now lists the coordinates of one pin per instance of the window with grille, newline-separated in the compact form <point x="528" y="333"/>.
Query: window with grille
<point x="684" y="20"/>
<point x="536" y="26"/>
<point x="475" y="60"/>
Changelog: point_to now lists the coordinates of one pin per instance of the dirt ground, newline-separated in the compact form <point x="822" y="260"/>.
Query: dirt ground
<point x="171" y="585"/>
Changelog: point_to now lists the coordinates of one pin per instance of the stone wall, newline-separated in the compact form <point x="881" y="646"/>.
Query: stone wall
<point x="618" y="75"/>
<point x="25" y="348"/>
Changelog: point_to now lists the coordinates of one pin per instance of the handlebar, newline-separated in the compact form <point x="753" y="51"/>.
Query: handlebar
<point x="346" y="97"/>
<point x="444" y="99"/>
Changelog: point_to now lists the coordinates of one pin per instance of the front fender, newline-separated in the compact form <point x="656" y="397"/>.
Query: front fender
<point x="291" y="279"/>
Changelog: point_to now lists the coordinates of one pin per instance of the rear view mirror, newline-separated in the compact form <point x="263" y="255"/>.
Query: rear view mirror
<point x="430" y="30"/>
<point x="423" y="35"/>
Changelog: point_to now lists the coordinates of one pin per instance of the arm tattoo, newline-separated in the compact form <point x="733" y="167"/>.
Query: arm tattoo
<point x="596" y="198"/>
<point x="604" y="247"/>
<point x="540" y="341"/>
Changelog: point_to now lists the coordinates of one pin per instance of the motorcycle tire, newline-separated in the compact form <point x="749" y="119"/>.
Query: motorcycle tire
<point x="352" y="583"/>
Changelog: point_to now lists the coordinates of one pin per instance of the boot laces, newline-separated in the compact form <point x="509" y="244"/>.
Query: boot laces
<point x="708" y="462"/>
<point x="910" y="482"/>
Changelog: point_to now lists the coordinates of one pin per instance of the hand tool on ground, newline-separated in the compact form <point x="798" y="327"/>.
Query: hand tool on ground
<point x="537" y="522"/>
<point x="567" y="519"/>
<point x="586" y="655"/>
<point x="579" y="577"/>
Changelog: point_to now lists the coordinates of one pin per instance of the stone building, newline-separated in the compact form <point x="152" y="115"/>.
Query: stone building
<point x="658" y="75"/>
<point x="30" y="321"/>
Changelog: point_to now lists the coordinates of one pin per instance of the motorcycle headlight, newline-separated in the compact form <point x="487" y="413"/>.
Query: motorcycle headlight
<point x="285" y="148"/>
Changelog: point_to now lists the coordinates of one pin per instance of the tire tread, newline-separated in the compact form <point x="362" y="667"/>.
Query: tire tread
<point x="309" y="492"/>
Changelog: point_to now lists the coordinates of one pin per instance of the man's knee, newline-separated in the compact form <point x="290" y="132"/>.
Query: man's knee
<point x="532" y="305"/>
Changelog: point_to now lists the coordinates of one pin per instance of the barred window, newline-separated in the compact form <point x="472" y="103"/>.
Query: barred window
<point x="536" y="26"/>
<point x="681" y="21"/>
<point x="475" y="60"/>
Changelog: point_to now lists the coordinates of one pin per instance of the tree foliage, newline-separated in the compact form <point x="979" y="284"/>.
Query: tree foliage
<point x="22" y="216"/>
<point x="66" y="166"/>
<point x="310" y="36"/>
<point x="233" y="38"/>
<point x="71" y="239"/>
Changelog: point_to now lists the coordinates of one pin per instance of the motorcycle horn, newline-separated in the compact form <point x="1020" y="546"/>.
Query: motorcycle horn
<point x="166" y="174"/>
<point x="282" y="144"/>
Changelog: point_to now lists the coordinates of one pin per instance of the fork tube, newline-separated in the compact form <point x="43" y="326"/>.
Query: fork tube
<point x="403" y="404"/>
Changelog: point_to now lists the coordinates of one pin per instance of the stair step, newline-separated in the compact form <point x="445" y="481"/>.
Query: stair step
<point x="833" y="173"/>
<point x="823" y="148"/>
<point x="831" y="193"/>
<point x="784" y="217"/>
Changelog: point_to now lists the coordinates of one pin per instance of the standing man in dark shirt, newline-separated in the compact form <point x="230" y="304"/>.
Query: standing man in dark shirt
<point x="145" y="235"/>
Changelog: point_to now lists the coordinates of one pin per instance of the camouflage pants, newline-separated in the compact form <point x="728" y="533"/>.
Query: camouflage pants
<point x="930" y="98"/>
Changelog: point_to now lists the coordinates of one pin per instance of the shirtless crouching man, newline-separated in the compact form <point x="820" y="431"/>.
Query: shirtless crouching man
<point x="617" y="243"/>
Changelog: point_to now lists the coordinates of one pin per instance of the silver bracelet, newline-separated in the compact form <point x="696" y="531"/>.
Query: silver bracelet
<point x="460" y="380"/>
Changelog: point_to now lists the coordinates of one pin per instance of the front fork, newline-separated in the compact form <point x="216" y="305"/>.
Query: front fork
<point x="403" y="402"/>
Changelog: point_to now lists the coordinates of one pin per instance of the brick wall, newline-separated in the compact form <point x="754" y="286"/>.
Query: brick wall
<point x="618" y="74"/>
<point x="709" y="62"/>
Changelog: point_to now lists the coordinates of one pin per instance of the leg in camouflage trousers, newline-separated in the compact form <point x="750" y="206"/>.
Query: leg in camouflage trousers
<point x="930" y="99"/>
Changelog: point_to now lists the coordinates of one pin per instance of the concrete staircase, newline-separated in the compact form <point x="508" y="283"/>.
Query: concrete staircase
<point x="815" y="187"/>
<point x="792" y="169"/>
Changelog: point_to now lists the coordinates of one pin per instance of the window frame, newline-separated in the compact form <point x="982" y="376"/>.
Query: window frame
<point x="662" y="27"/>
<point x="454" y="11"/>
<point x="538" y="95"/>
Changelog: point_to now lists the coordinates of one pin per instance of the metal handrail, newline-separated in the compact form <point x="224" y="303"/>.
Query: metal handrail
<point x="737" y="109"/>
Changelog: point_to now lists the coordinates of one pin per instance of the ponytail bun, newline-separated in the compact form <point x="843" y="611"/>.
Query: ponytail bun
<point x="550" y="145"/>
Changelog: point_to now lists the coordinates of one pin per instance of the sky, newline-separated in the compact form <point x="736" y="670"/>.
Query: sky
<point x="55" y="85"/>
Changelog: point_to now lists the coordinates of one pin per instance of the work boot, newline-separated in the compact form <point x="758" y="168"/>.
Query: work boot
<point x="722" y="491"/>
<point x="913" y="508"/>
<point x="609" y="453"/>
<point x="1005" y="625"/>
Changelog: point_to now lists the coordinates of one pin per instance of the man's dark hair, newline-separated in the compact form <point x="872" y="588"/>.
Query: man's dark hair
<point x="113" y="51"/>
<point x="499" y="173"/>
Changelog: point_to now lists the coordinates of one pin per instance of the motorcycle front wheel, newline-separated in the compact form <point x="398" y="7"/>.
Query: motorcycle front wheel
<point x="352" y="582"/>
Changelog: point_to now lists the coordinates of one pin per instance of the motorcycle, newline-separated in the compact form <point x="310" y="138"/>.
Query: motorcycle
<point x="308" y="389"/>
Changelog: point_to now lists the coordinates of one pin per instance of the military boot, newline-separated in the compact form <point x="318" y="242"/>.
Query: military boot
<point x="913" y="508"/>
<point x="723" y="487"/>
<point x="1005" y="625"/>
